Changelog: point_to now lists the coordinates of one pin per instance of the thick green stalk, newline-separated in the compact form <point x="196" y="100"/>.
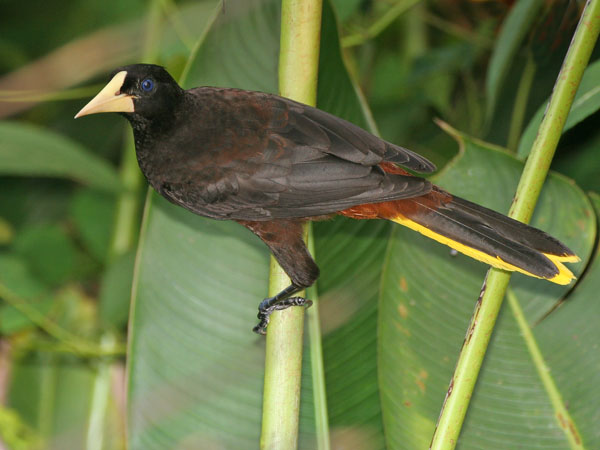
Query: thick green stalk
<point x="482" y="324"/>
<point x="298" y="69"/>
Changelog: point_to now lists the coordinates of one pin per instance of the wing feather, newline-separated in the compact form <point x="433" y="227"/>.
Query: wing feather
<point x="286" y="160"/>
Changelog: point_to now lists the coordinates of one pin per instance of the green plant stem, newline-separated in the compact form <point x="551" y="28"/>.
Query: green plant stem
<point x="99" y="401"/>
<point x="298" y="70"/>
<point x="283" y="372"/>
<point x="379" y="25"/>
<point x="316" y="361"/>
<point x="486" y="312"/>
<point x="518" y="115"/>
<point x="415" y="33"/>
<point x="47" y="396"/>
<point x="299" y="51"/>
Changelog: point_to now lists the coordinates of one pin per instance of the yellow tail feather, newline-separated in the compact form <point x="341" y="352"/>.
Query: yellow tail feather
<point x="564" y="275"/>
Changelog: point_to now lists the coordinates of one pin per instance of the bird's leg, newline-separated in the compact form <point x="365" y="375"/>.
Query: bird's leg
<point x="284" y="238"/>
<point x="281" y="300"/>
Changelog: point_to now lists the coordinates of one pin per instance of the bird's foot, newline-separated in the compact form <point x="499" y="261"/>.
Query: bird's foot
<point x="268" y="306"/>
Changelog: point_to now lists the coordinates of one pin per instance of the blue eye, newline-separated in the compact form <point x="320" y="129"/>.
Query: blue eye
<point x="147" y="85"/>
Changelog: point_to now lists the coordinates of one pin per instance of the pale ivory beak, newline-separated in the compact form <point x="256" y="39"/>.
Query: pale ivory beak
<point x="109" y="99"/>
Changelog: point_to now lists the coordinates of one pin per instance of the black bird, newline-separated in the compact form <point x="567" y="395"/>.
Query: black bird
<point x="271" y="164"/>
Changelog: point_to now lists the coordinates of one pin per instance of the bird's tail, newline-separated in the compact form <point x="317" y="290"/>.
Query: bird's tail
<point x="480" y="233"/>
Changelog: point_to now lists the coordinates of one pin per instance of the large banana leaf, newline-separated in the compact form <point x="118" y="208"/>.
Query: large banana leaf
<point x="27" y="150"/>
<point x="428" y="295"/>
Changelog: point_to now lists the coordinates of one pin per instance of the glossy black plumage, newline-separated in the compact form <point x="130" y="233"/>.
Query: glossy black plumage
<point x="233" y="154"/>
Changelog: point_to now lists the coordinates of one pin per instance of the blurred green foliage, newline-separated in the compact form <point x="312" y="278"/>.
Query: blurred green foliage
<point x="70" y="189"/>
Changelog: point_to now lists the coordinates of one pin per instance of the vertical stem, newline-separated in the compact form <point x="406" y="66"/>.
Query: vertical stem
<point x="469" y="362"/>
<point x="535" y="171"/>
<point x="299" y="52"/>
<point x="298" y="69"/>
<point x="100" y="398"/>
<point x="316" y="361"/>
<point x="47" y="406"/>
<point x="283" y="372"/>
<point x="415" y="34"/>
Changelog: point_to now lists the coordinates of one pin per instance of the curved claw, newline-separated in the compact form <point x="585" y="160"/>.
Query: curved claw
<point x="267" y="307"/>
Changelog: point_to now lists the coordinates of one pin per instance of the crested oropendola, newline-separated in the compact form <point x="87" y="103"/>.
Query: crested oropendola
<point x="271" y="164"/>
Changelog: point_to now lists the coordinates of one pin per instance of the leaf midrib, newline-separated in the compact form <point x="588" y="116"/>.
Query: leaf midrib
<point x="567" y="424"/>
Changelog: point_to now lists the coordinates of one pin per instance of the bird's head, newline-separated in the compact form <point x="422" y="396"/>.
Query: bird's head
<point x="143" y="90"/>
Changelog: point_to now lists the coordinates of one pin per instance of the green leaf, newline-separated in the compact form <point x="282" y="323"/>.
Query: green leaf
<point x="195" y="366"/>
<point x="48" y="250"/>
<point x="93" y="213"/>
<point x="427" y="301"/>
<point x="253" y="65"/>
<point x="16" y="277"/>
<point x="517" y="24"/>
<point x="336" y="92"/>
<point x="569" y="339"/>
<point x="586" y="103"/>
<point x="350" y="254"/>
<point x="583" y="164"/>
<point x="27" y="150"/>
<point x="115" y="291"/>
<point x="26" y="201"/>
<point x="346" y="8"/>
